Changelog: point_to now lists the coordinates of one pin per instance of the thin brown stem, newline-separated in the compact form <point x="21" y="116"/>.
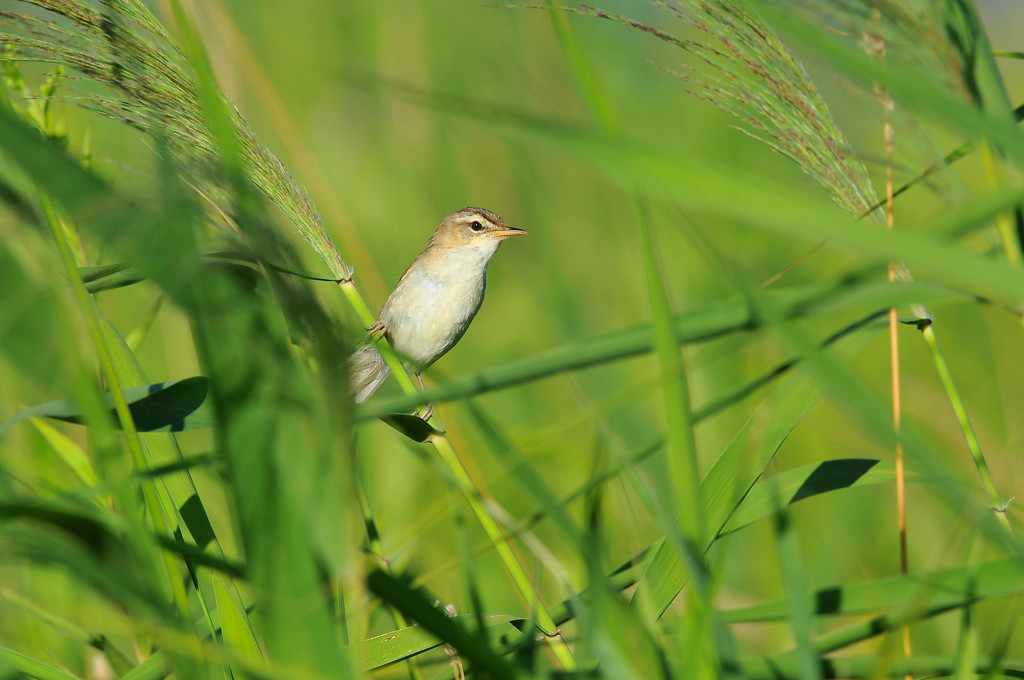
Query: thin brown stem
<point x="877" y="45"/>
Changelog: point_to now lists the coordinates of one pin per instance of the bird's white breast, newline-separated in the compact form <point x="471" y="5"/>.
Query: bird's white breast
<point x="434" y="303"/>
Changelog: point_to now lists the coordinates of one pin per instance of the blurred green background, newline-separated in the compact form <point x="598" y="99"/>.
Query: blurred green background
<point x="373" y="106"/>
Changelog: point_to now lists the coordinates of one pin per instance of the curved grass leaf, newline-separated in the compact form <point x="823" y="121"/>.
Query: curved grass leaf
<point x="161" y="407"/>
<point x="807" y="481"/>
<point x="156" y="667"/>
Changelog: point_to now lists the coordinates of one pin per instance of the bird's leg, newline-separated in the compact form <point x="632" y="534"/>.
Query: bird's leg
<point x="377" y="330"/>
<point x="429" y="410"/>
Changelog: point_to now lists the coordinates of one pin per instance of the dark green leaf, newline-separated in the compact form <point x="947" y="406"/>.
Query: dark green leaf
<point x="109" y="276"/>
<point x="169" y="406"/>
<point x="401" y="644"/>
<point x="416" y="606"/>
<point x="809" y="480"/>
<point x="413" y="427"/>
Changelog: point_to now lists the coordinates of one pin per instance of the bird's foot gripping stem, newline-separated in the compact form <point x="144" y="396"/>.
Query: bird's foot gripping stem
<point x="427" y="411"/>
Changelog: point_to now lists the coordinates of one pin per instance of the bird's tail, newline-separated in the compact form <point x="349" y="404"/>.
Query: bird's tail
<point x="368" y="370"/>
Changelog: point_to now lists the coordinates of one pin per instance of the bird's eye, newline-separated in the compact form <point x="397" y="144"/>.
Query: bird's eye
<point x="476" y="226"/>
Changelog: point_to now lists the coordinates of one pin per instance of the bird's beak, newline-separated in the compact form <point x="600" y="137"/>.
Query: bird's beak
<point x="507" y="232"/>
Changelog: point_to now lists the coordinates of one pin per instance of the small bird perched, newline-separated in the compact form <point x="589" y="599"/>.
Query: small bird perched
<point x="436" y="298"/>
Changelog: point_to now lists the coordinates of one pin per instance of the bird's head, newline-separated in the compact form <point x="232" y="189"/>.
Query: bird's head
<point x="474" y="228"/>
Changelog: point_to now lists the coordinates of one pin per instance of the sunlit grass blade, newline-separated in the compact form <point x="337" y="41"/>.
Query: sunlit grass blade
<point x="70" y="452"/>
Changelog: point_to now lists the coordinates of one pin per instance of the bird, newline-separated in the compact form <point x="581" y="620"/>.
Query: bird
<point x="435" y="299"/>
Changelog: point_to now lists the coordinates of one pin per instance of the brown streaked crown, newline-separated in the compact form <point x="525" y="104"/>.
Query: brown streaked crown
<point x="470" y="223"/>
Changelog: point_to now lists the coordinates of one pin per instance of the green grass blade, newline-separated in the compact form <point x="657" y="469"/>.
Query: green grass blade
<point x="932" y="591"/>
<point x="742" y="462"/>
<point x="995" y="499"/>
<point x="681" y="449"/>
<point x="682" y="495"/>
<point x="919" y="666"/>
<point x="155" y="667"/>
<point x="416" y="606"/>
<point x="794" y="584"/>
<point x="70" y="452"/>
<point x="707" y="322"/>
<point x="399" y="645"/>
<point x="34" y="668"/>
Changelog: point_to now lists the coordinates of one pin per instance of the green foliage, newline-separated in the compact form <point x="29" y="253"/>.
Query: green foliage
<point x="681" y="372"/>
